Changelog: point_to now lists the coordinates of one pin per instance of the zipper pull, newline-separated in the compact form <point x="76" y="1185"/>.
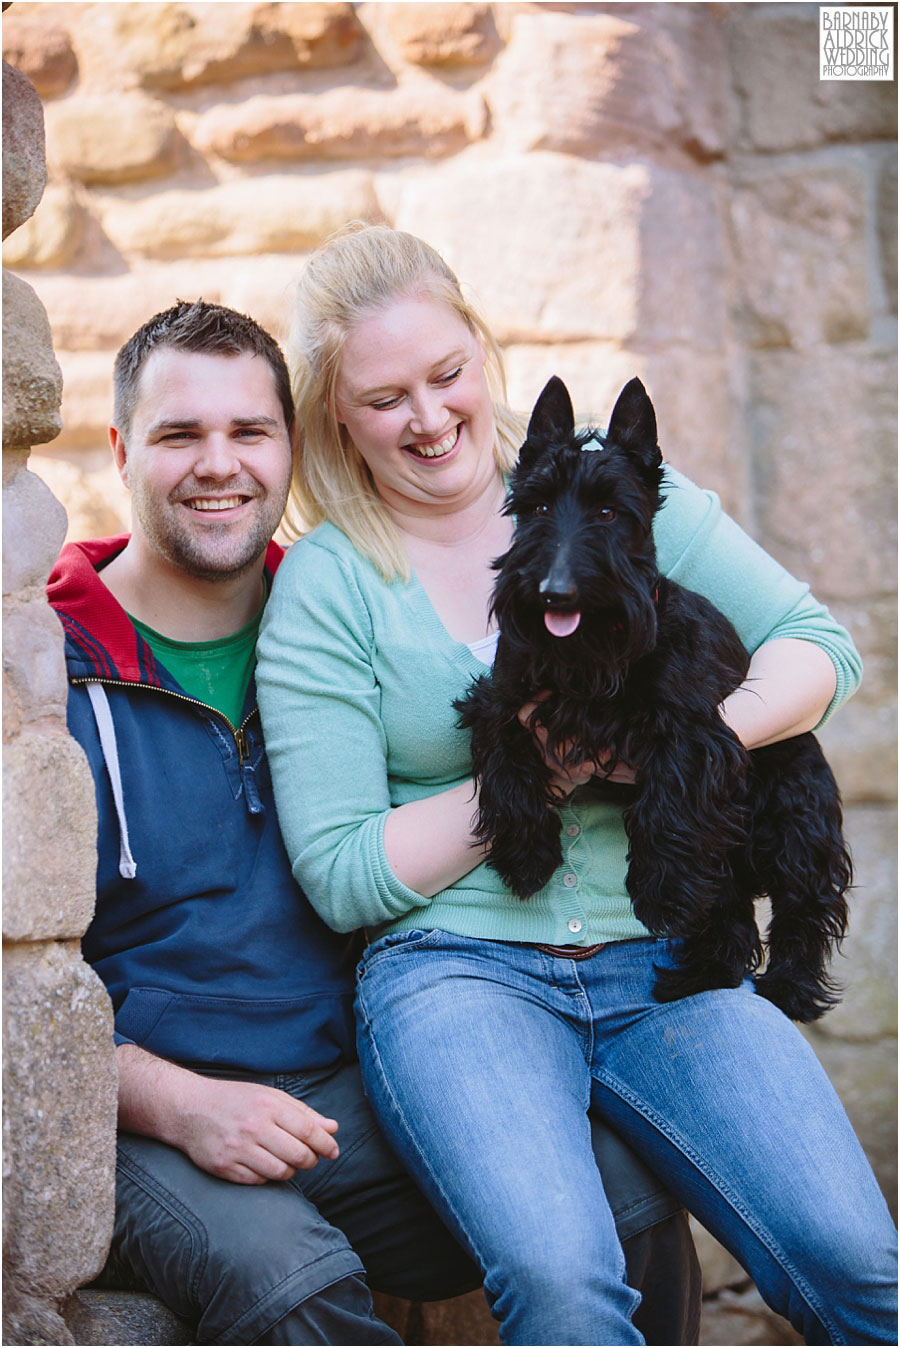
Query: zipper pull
<point x="248" y="776"/>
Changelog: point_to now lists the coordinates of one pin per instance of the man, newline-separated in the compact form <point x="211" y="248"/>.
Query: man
<point x="254" y="1192"/>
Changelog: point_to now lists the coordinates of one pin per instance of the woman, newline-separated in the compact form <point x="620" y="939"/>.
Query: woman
<point x="489" y="1026"/>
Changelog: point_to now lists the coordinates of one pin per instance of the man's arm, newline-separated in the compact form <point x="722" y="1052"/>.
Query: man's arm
<point x="238" y="1130"/>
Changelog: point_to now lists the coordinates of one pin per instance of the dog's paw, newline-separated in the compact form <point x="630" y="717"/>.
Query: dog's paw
<point x="800" y="995"/>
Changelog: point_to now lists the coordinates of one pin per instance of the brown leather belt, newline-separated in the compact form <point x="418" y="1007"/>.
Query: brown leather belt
<point x="572" y="952"/>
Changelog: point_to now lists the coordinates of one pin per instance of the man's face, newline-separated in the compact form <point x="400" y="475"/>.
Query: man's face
<point x="207" y="460"/>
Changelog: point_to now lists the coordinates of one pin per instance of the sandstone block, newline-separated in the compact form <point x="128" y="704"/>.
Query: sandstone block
<point x="774" y="59"/>
<point x="97" y="503"/>
<point x="801" y="249"/>
<point x="33" y="659"/>
<point x="438" y="34"/>
<point x="104" y="1317"/>
<point x="185" y="46"/>
<point x="344" y="122"/>
<point x="52" y="236"/>
<point x="32" y="382"/>
<point x="861" y="741"/>
<point x="867" y="966"/>
<point x="87" y="398"/>
<point x="49" y="837"/>
<point x="289" y="213"/>
<point x="557" y="248"/>
<point x="112" y="138"/>
<point x="60" y="1071"/>
<point x="607" y="83"/>
<point x="887" y="227"/>
<point x="41" y="50"/>
<point x="28" y="1319"/>
<point x="24" y="164"/>
<point x="865" y="1077"/>
<point x="824" y="441"/>
<point x="34" y="524"/>
<point x="694" y="403"/>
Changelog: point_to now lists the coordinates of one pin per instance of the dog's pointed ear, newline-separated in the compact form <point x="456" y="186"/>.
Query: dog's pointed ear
<point x="632" y="425"/>
<point x="552" y="421"/>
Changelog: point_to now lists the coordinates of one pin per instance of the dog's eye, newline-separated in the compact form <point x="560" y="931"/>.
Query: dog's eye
<point x="606" y="515"/>
<point x="542" y="509"/>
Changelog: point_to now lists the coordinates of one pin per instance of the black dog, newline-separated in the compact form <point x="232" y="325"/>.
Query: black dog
<point x="634" y="668"/>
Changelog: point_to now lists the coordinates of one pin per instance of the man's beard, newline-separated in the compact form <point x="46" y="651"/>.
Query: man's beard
<point x="221" y="552"/>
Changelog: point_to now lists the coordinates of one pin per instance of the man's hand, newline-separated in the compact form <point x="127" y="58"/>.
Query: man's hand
<point x="238" y="1130"/>
<point x="567" y="775"/>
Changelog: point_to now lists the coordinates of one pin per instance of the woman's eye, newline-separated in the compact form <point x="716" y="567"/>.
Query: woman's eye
<point x="384" y="404"/>
<point x="449" y="378"/>
<point x="606" y="515"/>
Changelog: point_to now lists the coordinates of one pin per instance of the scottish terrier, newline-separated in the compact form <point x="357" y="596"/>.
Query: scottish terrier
<point x="630" y="667"/>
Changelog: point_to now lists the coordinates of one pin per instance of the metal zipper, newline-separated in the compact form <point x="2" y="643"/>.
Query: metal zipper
<point x="239" y="735"/>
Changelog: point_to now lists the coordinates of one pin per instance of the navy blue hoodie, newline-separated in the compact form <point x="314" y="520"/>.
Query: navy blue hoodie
<point x="209" y="949"/>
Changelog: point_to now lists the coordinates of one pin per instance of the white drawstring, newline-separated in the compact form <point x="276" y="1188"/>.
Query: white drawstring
<point x="107" y="732"/>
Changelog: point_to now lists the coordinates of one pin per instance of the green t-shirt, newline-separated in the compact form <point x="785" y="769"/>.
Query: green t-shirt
<point x="217" y="673"/>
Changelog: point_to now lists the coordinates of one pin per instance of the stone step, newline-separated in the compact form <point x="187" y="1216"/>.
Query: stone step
<point x="104" y="1317"/>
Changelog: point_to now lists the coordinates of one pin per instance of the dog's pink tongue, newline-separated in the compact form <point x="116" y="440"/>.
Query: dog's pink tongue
<point x="561" y="624"/>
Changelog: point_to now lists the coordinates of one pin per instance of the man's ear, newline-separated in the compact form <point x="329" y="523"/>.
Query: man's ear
<point x="120" y="453"/>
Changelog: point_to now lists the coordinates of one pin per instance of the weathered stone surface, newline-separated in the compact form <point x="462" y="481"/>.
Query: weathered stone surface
<point x="802" y="254"/>
<point x="49" y="837"/>
<point x="104" y="1317"/>
<point x="87" y="396"/>
<point x="866" y="966"/>
<point x="438" y="34"/>
<point x="60" y="1071"/>
<point x="34" y="524"/>
<point x="742" y="1317"/>
<point x="861" y="741"/>
<point x="52" y="236"/>
<point x="97" y="503"/>
<point x="344" y="122"/>
<point x="32" y="381"/>
<point x="42" y="51"/>
<point x="865" y="1077"/>
<point x="823" y="436"/>
<point x="24" y="164"/>
<point x="621" y="239"/>
<point x="691" y="393"/>
<point x="185" y="46"/>
<point x="608" y="83"/>
<point x="887" y="227"/>
<point x="33" y="662"/>
<point x="784" y="105"/>
<point x="289" y="213"/>
<point x="111" y="138"/>
<point x="30" y="1319"/>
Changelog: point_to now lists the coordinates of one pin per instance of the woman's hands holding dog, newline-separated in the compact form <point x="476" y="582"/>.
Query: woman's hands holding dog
<point x="568" y="772"/>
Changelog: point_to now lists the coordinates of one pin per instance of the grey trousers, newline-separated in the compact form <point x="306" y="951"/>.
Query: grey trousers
<point x="289" y="1262"/>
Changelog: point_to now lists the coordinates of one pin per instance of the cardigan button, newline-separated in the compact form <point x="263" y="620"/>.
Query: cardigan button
<point x="574" y="924"/>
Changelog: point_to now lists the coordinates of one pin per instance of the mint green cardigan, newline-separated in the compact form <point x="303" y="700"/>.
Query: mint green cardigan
<point x="356" y="681"/>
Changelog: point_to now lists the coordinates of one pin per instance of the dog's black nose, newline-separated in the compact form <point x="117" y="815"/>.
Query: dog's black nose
<point x="558" y="592"/>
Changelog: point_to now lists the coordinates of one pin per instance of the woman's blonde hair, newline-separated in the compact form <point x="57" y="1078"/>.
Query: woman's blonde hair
<point x="361" y="269"/>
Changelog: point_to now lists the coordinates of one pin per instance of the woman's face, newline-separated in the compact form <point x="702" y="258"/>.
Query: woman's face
<point x="412" y="392"/>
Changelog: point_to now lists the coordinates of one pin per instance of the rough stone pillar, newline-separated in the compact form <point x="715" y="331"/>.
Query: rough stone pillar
<point x="59" y="1080"/>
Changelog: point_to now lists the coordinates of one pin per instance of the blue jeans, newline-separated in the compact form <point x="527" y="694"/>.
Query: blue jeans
<point x="481" y="1060"/>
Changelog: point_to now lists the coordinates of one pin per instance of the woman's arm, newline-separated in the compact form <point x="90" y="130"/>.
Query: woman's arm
<point x="788" y="689"/>
<point x="779" y="622"/>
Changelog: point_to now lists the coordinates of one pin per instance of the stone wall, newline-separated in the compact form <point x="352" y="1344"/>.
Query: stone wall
<point x="58" y="1066"/>
<point x="655" y="189"/>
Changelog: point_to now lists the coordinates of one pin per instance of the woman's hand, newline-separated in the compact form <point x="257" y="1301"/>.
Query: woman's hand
<point x="568" y="773"/>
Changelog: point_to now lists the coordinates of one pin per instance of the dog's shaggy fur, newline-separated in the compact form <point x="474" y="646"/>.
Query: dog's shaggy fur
<point x="634" y="669"/>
